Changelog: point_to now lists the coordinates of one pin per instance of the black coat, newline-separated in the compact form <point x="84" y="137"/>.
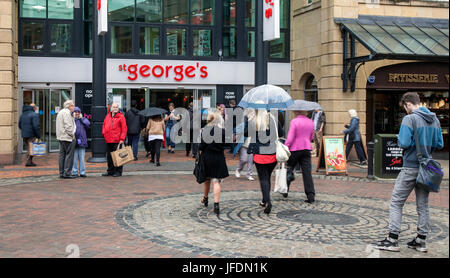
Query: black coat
<point x="134" y="121"/>
<point x="29" y="123"/>
<point x="212" y="157"/>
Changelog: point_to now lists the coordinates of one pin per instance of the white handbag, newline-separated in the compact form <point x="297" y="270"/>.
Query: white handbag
<point x="280" y="179"/>
<point x="282" y="151"/>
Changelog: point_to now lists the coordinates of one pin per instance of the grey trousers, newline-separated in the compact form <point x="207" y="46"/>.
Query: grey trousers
<point x="245" y="158"/>
<point x="66" y="152"/>
<point x="404" y="185"/>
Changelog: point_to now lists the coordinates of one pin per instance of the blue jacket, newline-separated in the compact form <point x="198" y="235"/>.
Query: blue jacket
<point x="29" y="123"/>
<point x="429" y="133"/>
<point x="80" y="133"/>
<point x="353" y="130"/>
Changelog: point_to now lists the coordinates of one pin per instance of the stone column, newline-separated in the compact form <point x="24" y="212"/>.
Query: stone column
<point x="8" y="81"/>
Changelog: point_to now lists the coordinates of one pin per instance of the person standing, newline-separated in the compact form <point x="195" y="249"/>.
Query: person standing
<point x="354" y="137"/>
<point x="171" y="118"/>
<point x="155" y="129"/>
<point x="429" y="132"/>
<point x="65" y="134"/>
<point x="264" y="154"/>
<point x="30" y="129"/>
<point x="300" y="135"/>
<point x="81" y="142"/>
<point x="242" y="147"/>
<point x="319" y="119"/>
<point x="134" y="122"/>
<point x="191" y="145"/>
<point x="114" y="131"/>
<point x="213" y="159"/>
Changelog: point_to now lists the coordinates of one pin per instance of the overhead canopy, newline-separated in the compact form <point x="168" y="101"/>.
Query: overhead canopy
<point x="400" y="37"/>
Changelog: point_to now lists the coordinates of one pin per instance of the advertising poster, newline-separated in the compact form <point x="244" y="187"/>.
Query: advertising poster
<point x="172" y="47"/>
<point x="332" y="155"/>
<point x="392" y="156"/>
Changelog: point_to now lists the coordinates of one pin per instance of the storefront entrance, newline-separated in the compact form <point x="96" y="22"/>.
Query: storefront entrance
<point x="49" y="102"/>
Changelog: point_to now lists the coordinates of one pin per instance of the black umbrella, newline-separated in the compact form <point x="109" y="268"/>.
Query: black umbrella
<point x="152" y="111"/>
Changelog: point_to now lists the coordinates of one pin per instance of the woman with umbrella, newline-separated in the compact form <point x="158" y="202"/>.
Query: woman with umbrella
<point x="301" y="133"/>
<point x="155" y="129"/>
<point x="148" y="113"/>
<point x="267" y="130"/>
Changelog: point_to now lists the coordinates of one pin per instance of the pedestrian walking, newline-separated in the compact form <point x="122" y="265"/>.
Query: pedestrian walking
<point x="213" y="159"/>
<point x="242" y="147"/>
<point x="171" y="119"/>
<point x="191" y="145"/>
<point x="300" y="135"/>
<point x="65" y="134"/>
<point x="354" y="137"/>
<point x="30" y="129"/>
<point x="420" y="121"/>
<point x="319" y="119"/>
<point x="155" y="129"/>
<point x="81" y="124"/>
<point x="114" y="131"/>
<point x="134" y="122"/>
<point x="264" y="154"/>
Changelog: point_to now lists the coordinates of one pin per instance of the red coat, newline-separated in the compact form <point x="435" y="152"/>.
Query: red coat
<point x="114" y="129"/>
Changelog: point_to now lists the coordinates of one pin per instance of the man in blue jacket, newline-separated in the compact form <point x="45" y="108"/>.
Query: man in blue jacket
<point x="430" y="138"/>
<point x="30" y="128"/>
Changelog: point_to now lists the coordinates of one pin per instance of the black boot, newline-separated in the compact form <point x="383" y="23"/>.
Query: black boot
<point x="216" y="208"/>
<point x="268" y="208"/>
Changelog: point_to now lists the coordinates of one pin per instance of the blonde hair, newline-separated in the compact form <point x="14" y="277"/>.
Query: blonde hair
<point x="352" y="113"/>
<point x="215" y="119"/>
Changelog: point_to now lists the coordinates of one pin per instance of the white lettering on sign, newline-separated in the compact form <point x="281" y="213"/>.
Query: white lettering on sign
<point x="229" y="95"/>
<point x="271" y="20"/>
<point x="88" y="94"/>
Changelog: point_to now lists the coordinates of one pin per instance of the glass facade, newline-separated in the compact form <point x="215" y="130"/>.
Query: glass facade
<point x="159" y="28"/>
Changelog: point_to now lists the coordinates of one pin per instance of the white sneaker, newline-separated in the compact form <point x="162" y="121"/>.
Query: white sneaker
<point x="237" y="174"/>
<point x="251" y="178"/>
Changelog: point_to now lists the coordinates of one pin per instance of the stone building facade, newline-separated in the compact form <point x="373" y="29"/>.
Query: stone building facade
<point x="8" y="81"/>
<point x="317" y="53"/>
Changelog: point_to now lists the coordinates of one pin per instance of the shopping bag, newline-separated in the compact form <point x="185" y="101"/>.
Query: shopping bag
<point x="122" y="155"/>
<point x="38" y="148"/>
<point x="280" y="179"/>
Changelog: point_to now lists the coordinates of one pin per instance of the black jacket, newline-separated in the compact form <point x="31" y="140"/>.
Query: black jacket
<point x="29" y="123"/>
<point x="134" y="121"/>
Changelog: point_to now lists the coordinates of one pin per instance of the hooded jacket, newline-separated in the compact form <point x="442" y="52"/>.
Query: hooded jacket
<point x="80" y="132"/>
<point x="29" y="123"/>
<point x="134" y="121"/>
<point x="429" y="133"/>
<point x="114" y="128"/>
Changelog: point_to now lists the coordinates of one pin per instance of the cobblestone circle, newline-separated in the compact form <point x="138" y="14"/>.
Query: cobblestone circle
<point x="336" y="225"/>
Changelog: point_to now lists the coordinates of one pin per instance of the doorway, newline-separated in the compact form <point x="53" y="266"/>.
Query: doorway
<point x="48" y="102"/>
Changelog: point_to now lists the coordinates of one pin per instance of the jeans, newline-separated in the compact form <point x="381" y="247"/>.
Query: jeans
<point x="66" y="150"/>
<point x="169" y="142"/>
<point x="359" y="150"/>
<point x="79" y="156"/>
<point x="303" y="158"/>
<point x="404" y="185"/>
<point x="133" y="140"/>
<point x="264" y="173"/>
<point x="245" y="158"/>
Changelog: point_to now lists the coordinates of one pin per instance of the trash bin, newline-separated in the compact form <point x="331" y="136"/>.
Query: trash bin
<point x="388" y="157"/>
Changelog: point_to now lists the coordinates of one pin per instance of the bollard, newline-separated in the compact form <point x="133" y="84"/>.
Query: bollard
<point x="370" y="147"/>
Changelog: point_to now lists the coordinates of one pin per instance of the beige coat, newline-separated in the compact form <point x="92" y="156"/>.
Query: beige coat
<point x="65" y="126"/>
<point x="155" y="127"/>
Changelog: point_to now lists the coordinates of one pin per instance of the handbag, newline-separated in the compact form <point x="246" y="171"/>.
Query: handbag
<point x="431" y="172"/>
<point x="280" y="179"/>
<point x="199" y="170"/>
<point x="282" y="151"/>
<point x="38" y="148"/>
<point x="122" y="155"/>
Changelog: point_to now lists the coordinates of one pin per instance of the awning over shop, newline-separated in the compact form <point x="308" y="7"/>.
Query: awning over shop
<point x="399" y="38"/>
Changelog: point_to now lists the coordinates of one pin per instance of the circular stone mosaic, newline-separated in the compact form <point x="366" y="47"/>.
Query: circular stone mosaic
<point x="334" y="226"/>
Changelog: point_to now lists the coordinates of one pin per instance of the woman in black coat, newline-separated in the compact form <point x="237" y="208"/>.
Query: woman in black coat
<point x="212" y="158"/>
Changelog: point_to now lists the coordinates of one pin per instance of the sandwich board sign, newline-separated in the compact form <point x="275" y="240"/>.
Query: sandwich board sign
<point x="332" y="155"/>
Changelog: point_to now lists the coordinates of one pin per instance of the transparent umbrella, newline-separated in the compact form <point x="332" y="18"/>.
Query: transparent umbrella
<point x="266" y="97"/>
<point x="304" y="105"/>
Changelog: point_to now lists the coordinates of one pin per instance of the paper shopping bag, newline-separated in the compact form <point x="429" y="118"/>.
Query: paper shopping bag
<point x="122" y="155"/>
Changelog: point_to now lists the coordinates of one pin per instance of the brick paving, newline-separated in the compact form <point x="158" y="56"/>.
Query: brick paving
<point x="157" y="214"/>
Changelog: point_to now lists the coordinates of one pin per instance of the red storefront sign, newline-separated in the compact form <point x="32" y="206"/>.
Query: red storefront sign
<point x="179" y="72"/>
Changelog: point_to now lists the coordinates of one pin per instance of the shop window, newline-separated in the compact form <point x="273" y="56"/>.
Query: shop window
<point x="58" y="9"/>
<point x="121" y="40"/>
<point x="176" y="11"/>
<point x="229" y="12"/>
<point x="311" y="89"/>
<point x="229" y="42"/>
<point x="284" y="14"/>
<point x="250" y="9"/>
<point x="33" y="36"/>
<point x="87" y="10"/>
<point x="278" y="47"/>
<point x="149" y="11"/>
<point x="87" y="46"/>
<point x="202" y="40"/>
<point x="60" y="38"/>
<point x="251" y="38"/>
<point x="176" y="42"/>
<point x="149" y="41"/>
<point x="121" y="10"/>
<point x="202" y="12"/>
<point x="33" y="8"/>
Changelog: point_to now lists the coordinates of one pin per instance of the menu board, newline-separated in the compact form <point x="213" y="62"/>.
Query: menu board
<point x="392" y="156"/>
<point x="332" y="155"/>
